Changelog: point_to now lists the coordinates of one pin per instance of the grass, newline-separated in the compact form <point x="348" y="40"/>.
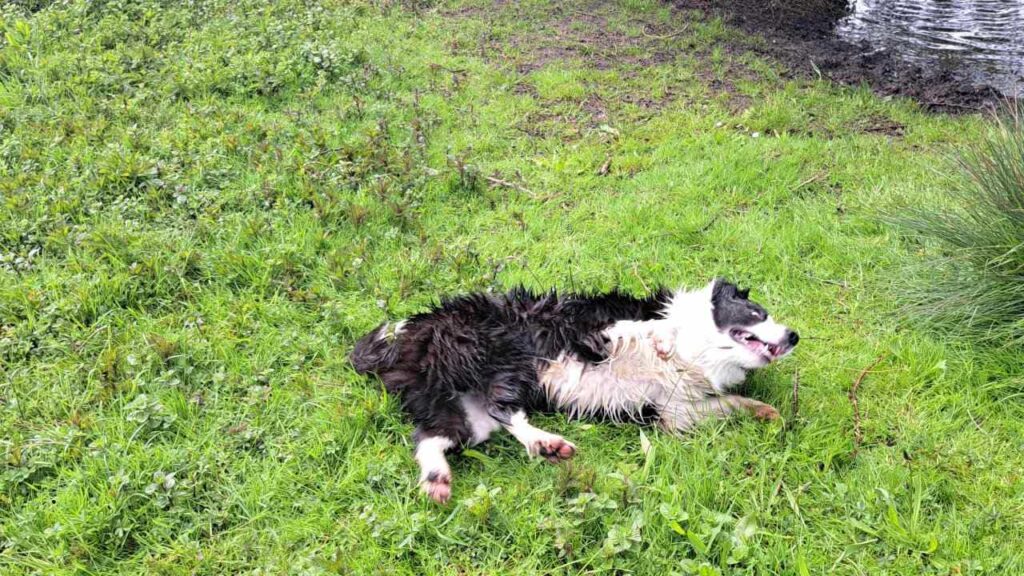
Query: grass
<point x="205" y="203"/>
<point x="974" y="286"/>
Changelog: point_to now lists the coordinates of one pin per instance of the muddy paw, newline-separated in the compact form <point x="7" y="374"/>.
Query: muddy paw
<point x="555" y="449"/>
<point x="438" y="486"/>
<point x="765" y="412"/>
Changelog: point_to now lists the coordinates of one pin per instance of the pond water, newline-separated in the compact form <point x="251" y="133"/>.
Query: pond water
<point x="983" y="40"/>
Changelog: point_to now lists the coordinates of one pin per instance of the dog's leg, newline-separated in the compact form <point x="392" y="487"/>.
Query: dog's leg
<point x="441" y="424"/>
<point x="539" y="442"/>
<point x="681" y="415"/>
<point x="627" y="335"/>
<point x="435" y="475"/>
<point x="760" y="410"/>
<point x="663" y="338"/>
<point x="508" y="392"/>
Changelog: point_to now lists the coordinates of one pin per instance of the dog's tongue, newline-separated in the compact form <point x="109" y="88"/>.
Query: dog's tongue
<point x="770" y="351"/>
<point x="756" y="346"/>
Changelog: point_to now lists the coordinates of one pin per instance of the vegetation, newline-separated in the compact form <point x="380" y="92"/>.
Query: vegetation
<point x="974" y="285"/>
<point x="206" y="202"/>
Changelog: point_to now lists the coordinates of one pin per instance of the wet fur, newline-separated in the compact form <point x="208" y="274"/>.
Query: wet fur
<point x="490" y="346"/>
<point x="481" y="362"/>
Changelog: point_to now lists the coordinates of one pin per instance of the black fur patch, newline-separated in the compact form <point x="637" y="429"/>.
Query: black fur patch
<point x="491" y="346"/>
<point x="373" y="351"/>
<point x="732" y="309"/>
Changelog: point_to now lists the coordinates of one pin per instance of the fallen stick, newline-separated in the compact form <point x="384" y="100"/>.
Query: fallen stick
<point x="495" y="181"/>
<point x="642" y="283"/>
<point x="796" y="395"/>
<point x="858" y="434"/>
<point x="666" y="36"/>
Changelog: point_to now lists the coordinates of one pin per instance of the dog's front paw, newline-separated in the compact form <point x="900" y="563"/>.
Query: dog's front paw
<point x="554" y="448"/>
<point x="765" y="412"/>
<point x="438" y="486"/>
<point x="664" y="342"/>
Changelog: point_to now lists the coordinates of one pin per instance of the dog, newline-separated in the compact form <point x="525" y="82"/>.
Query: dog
<point x="482" y="362"/>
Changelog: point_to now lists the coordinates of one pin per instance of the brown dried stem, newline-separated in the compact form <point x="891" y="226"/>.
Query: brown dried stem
<point x="858" y="434"/>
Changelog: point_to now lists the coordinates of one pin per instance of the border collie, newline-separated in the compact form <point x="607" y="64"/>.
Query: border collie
<point x="481" y="362"/>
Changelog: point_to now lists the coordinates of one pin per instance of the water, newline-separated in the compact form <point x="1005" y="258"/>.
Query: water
<point x="982" y="40"/>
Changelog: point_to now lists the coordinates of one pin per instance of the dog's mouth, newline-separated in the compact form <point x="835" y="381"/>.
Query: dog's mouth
<point x="765" y="350"/>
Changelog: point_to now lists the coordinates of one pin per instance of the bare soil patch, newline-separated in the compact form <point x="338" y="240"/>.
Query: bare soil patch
<point x="594" y="36"/>
<point x="565" y="32"/>
<point x="806" y="45"/>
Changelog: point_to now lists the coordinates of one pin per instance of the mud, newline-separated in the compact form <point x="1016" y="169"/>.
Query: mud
<point x="806" y="44"/>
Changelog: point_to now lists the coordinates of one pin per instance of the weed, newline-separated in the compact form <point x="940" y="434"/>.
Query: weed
<point x="971" y="283"/>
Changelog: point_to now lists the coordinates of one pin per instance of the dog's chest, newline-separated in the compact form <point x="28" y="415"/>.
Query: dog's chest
<point x="621" y="387"/>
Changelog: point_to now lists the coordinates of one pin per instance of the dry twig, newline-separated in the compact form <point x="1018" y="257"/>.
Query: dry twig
<point x="813" y="178"/>
<point x="642" y="283"/>
<point x="858" y="434"/>
<point x="494" y="180"/>
<point x="666" y="36"/>
<point x="796" y="395"/>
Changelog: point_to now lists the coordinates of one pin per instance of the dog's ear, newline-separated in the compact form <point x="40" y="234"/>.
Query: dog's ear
<point x="722" y="289"/>
<point x="743" y="293"/>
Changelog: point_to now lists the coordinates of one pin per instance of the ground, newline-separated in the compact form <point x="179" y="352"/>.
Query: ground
<point x="206" y="203"/>
<point x="800" y="34"/>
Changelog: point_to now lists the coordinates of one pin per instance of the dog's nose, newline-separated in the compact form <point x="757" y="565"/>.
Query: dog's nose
<point x="793" y="338"/>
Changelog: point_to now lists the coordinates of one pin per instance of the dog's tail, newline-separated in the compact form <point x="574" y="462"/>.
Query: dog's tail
<point x="376" y="351"/>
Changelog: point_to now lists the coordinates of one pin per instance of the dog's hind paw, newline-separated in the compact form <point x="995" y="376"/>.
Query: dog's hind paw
<point x="438" y="486"/>
<point x="555" y="449"/>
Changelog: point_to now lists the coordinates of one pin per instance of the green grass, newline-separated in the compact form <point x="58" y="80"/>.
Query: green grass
<point x="205" y="203"/>
<point x="975" y="285"/>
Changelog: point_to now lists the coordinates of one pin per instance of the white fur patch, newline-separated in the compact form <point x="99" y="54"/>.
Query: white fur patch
<point x="534" y="439"/>
<point x="769" y="331"/>
<point x="525" y="432"/>
<point x="430" y="456"/>
<point x="480" y="422"/>
<point x="392" y="331"/>
<point x="677" y="364"/>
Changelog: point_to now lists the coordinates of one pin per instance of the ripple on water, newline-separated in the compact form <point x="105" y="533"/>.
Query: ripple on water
<point x="981" y="39"/>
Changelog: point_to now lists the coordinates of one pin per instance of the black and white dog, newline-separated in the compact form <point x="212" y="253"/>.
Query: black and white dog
<point x="482" y="362"/>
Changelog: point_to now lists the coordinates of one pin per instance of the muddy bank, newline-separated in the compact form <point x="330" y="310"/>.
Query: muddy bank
<point x="804" y="40"/>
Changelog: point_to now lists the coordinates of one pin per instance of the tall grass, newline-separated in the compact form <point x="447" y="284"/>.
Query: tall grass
<point x="974" y="283"/>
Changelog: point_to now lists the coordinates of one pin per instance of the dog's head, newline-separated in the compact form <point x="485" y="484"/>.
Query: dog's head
<point x="722" y="332"/>
<point x="745" y="328"/>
